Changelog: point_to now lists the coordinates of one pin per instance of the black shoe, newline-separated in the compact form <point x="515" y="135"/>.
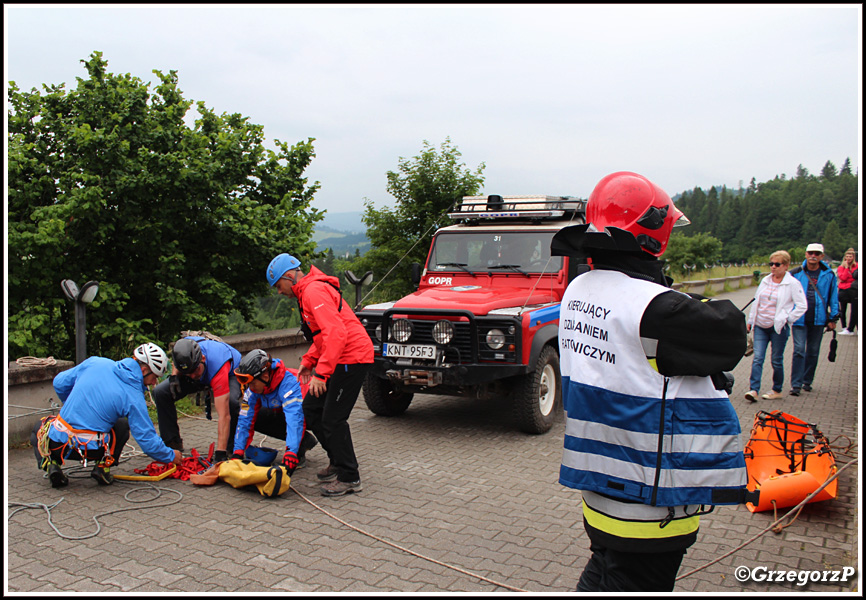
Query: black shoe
<point x="175" y="444"/>
<point x="807" y="387"/>
<point x="795" y="392"/>
<point x="102" y="475"/>
<point x="308" y="442"/>
<point x="56" y="475"/>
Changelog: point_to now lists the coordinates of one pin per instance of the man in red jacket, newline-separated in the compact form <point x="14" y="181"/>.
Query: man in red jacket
<point x="334" y="367"/>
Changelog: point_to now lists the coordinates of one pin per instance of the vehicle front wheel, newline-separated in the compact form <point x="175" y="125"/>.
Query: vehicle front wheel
<point x="538" y="399"/>
<point x="383" y="399"/>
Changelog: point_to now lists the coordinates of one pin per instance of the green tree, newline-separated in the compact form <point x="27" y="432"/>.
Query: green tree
<point x="177" y="223"/>
<point x="699" y="249"/>
<point x="425" y="187"/>
<point x="834" y="242"/>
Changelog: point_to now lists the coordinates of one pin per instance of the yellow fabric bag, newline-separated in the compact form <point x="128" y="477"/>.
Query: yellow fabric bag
<point x="270" y="481"/>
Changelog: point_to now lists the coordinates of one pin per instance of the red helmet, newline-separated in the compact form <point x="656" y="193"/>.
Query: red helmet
<point x="635" y="204"/>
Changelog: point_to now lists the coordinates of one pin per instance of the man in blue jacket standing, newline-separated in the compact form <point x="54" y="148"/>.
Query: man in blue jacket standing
<point x="103" y="400"/>
<point x="822" y="295"/>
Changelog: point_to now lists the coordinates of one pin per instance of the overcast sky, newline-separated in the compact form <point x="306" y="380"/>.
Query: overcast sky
<point x="550" y="97"/>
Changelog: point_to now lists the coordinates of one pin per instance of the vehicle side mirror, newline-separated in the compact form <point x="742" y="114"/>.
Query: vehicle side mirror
<point x="416" y="274"/>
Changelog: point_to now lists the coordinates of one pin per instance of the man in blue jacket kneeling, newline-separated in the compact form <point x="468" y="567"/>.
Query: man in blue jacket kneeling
<point x="103" y="401"/>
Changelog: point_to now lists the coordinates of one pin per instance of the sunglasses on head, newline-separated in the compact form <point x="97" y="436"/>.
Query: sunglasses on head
<point x="776" y="264"/>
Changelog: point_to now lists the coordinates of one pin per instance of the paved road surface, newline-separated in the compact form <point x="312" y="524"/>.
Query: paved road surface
<point x="454" y="500"/>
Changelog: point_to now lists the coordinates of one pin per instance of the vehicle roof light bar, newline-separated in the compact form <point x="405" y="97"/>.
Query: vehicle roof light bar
<point x="516" y="207"/>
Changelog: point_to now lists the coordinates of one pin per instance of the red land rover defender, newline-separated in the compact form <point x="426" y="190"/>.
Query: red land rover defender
<point x="484" y="320"/>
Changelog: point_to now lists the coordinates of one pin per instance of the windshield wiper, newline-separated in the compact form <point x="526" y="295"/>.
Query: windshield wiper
<point x="454" y="264"/>
<point x="512" y="267"/>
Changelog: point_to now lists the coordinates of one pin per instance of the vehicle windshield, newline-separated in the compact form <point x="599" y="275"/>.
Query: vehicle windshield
<point x="494" y="251"/>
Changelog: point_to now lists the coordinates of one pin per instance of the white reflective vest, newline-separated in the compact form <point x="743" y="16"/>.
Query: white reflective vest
<point x="632" y="433"/>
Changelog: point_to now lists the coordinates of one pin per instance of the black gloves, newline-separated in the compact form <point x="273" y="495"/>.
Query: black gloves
<point x="219" y="456"/>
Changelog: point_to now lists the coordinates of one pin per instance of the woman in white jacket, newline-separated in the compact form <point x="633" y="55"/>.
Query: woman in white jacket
<point x="779" y="302"/>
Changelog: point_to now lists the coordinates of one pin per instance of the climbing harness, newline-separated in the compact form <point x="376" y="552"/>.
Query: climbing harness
<point x="79" y="438"/>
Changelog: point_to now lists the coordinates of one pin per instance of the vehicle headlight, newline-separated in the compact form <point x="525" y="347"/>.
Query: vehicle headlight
<point x="401" y="330"/>
<point x="443" y="332"/>
<point x="379" y="332"/>
<point x="495" y="339"/>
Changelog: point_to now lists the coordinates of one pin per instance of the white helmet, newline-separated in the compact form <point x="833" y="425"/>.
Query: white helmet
<point x="153" y="356"/>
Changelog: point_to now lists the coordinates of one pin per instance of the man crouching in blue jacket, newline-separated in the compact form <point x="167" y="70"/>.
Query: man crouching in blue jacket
<point x="103" y="400"/>
<point x="272" y="405"/>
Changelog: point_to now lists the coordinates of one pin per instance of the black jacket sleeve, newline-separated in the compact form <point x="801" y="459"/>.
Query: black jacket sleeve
<point x="696" y="336"/>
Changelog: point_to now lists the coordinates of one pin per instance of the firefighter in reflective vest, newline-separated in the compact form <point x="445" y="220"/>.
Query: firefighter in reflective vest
<point x="651" y="437"/>
<point x="103" y="400"/>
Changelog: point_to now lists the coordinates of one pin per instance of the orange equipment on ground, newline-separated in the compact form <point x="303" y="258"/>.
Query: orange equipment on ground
<point x="787" y="459"/>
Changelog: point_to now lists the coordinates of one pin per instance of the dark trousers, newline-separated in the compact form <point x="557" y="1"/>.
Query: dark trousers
<point x="166" y="411"/>
<point x="847" y="297"/>
<point x="807" y="350"/>
<point x="613" y="571"/>
<point x="119" y="433"/>
<point x="328" y="418"/>
<point x="272" y="423"/>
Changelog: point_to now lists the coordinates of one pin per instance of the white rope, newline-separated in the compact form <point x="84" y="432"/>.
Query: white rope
<point x="36" y="505"/>
<point x="32" y="361"/>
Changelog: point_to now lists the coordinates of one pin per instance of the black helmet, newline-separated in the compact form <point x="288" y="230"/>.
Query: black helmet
<point x="253" y="364"/>
<point x="186" y="355"/>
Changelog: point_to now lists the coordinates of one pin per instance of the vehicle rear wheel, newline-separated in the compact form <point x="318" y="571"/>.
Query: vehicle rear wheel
<point x="383" y="399"/>
<point x="538" y="399"/>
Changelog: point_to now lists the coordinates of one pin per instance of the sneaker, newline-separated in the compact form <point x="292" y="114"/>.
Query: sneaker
<point x="56" y="475"/>
<point x="807" y="387"/>
<point x="102" y="475"/>
<point x="341" y="488"/>
<point x="774" y="395"/>
<point x="752" y="395"/>
<point x="846" y="332"/>
<point x="329" y="473"/>
<point x="795" y="392"/>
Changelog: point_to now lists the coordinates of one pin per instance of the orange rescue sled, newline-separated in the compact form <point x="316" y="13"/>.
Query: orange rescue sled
<point x="787" y="459"/>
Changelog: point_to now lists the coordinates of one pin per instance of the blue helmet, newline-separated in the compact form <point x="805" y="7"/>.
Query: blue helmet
<point x="281" y="263"/>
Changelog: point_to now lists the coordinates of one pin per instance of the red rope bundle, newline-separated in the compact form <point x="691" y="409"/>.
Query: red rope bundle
<point x="191" y="465"/>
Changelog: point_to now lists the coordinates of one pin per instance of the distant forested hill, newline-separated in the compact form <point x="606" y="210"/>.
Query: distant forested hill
<point x="343" y="233"/>
<point x="778" y="214"/>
